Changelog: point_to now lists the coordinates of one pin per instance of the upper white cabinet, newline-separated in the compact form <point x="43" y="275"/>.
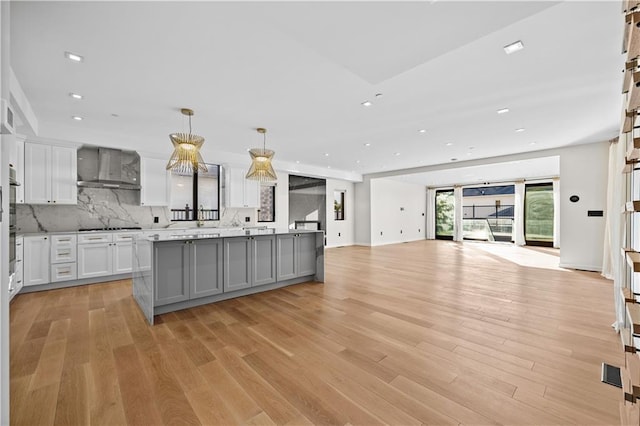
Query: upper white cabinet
<point x="50" y="174"/>
<point x="16" y="159"/>
<point x="240" y="192"/>
<point x="154" y="183"/>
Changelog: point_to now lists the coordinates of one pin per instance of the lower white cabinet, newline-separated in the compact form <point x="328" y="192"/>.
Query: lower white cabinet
<point x="63" y="258"/>
<point x="95" y="260"/>
<point x="36" y="260"/>
<point x="17" y="280"/>
<point x="104" y="254"/>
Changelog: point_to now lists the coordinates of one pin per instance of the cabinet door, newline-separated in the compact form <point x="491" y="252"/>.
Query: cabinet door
<point x="206" y="268"/>
<point x="64" y="175"/>
<point x="263" y="260"/>
<point x="94" y="260"/>
<point x="251" y="193"/>
<point x="234" y="187"/>
<point x="286" y="257"/>
<point x="154" y="182"/>
<point x="37" y="173"/>
<point x="36" y="260"/>
<point x="306" y="253"/>
<point x="20" y="170"/>
<point x="171" y="272"/>
<point x="237" y="263"/>
<point x="122" y="257"/>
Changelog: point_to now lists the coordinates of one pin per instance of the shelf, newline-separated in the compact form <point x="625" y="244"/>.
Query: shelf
<point x="633" y="149"/>
<point x="628" y="5"/>
<point x="633" y="259"/>
<point x="631" y="207"/>
<point x="633" y="314"/>
<point x="632" y="35"/>
<point x="628" y="120"/>
<point x="629" y="67"/>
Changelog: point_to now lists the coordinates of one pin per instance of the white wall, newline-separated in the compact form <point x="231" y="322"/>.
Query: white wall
<point x="398" y="211"/>
<point x="340" y="232"/>
<point x="363" y="212"/>
<point x="282" y="201"/>
<point x="583" y="172"/>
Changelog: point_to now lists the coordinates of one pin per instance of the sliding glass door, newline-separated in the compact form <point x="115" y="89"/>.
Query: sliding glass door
<point x="444" y="214"/>
<point x="538" y="214"/>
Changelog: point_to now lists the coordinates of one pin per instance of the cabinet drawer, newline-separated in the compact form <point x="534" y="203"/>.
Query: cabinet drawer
<point x="64" y="272"/>
<point x="94" y="238"/>
<point x="126" y="237"/>
<point x="63" y="248"/>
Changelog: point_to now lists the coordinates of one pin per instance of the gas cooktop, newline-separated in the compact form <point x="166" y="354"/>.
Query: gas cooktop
<point x="129" y="228"/>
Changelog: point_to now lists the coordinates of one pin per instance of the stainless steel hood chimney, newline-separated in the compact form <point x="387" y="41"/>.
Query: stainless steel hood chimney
<point x="100" y="167"/>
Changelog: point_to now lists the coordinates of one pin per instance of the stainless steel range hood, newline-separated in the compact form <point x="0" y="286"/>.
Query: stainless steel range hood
<point x="110" y="168"/>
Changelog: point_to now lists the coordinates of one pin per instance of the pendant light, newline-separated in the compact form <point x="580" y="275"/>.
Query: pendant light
<point x="186" y="158"/>
<point x="261" y="168"/>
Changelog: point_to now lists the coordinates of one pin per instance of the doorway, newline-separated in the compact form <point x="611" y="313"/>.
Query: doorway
<point x="538" y="214"/>
<point x="444" y="214"/>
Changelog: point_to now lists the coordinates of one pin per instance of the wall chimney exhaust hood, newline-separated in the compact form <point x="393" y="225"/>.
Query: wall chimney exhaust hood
<point x="109" y="168"/>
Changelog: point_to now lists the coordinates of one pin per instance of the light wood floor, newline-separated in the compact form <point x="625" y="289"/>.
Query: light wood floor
<point x="430" y="332"/>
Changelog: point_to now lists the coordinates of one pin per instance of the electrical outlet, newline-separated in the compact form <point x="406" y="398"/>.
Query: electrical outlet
<point x="418" y="229"/>
<point x="247" y="219"/>
<point x="381" y="233"/>
<point x="156" y="219"/>
<point x="338" y="234"/>
<point x="401" y="231"/>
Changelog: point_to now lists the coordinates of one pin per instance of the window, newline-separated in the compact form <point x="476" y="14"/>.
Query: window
<point x="196" y="196"/>
<point x="338" y="204"/>
<point x="267" y="212"/>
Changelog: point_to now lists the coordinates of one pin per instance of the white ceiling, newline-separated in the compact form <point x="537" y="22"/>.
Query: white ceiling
<point x="302" y="69"/>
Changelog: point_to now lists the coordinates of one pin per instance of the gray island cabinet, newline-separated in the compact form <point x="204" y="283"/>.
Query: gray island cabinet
<point x="181" y="271"/>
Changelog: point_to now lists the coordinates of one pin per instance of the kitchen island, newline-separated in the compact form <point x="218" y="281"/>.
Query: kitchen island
<point x="173" y="272"/>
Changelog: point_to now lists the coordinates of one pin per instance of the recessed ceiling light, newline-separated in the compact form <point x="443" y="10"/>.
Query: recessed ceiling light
<point x="513" y="47"/>
<point x="297" y="162"/>
<point x="73" y="57"/>
<point x="396" y="153"/>
<point x="454" y="159"/>
<point x="358" y="161"/>
<point x="76" y="96"/>
<point x="367" y="144"/>
<point x="449" y="143"/>
<point x="366" y="103"/>
<point x="468" y="153"/>
<point x="328" y="167"/>
<point x="378" y="95"/>
<point x="76" y="117"/>
<point x="533" y="143"/>
<point x="326" y="154"/>
<point x="503" y="111"/>
<point x="422" y="131"/>
<point x="520" y="130"/>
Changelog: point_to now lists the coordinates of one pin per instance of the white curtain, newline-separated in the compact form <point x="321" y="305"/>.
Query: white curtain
<point x="556" y="213"/>
<point x="457" y="213"/>
<point x="518" y="214"/>
<point x="431" y="214"/>
<point x="612" y="262"/>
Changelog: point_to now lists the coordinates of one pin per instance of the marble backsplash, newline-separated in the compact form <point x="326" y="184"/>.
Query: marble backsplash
<point x="112" y="208"/>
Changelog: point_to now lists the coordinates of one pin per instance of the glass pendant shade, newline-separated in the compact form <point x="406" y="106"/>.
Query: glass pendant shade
<point x="186" y="156"/>
<point x="261" y="168"/>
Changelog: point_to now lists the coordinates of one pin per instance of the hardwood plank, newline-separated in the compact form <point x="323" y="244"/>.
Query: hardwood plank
<point x="466" y="335"/>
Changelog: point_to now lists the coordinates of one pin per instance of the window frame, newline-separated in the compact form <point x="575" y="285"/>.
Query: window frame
<point x="194" y="200"/>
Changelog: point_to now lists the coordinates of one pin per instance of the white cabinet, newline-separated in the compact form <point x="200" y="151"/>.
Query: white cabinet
<point x="154" y="182"/>
<point x="50" y="174"/>
<point x="36" y="260"/>
<point x="17" y="279"/>
<point x="63" y="258"/>
<point x="16" y="159"/>
<point x="240" y="192"/>
<point x="105" y="254"/>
